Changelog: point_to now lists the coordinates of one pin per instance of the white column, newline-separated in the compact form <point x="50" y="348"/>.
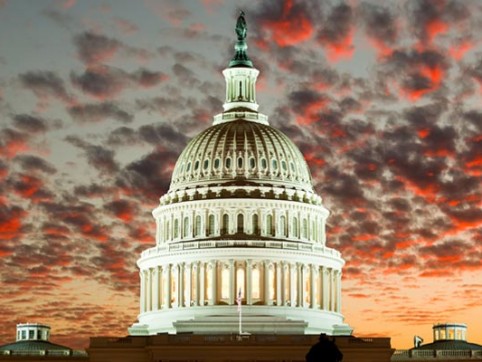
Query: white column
<point x="249" y="282"/>
<point x="312" y="286"/>
<point x="338" y="290"/>
<point x="279" y="278"/>
<point x="202" y="277"/>
<point x="326" y="287"/>
<point x="149" y="290"/>
<point x="332" y="290"/>
<point x="267" y="286"/>
<point x="167" y="285"/>
<point x="196" y="283"/>
<point x="180" y="285"/>
<point x="212" y="298"/>
<point x="155" y="289"/>
<point x="188" y="284"/>
<point x="293" y="284"/>
<point x="301" y="287"/>
<point x="232" y="283"/>
<point x="142" y="292"/>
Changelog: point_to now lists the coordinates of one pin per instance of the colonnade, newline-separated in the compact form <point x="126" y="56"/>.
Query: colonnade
<point x="269" y="283"/>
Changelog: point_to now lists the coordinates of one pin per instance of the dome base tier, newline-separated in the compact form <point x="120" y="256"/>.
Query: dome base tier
<point x="255" y="320"/>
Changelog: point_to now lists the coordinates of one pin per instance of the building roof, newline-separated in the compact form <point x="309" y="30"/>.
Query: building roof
<point x="33" y="345"/>
<point x="450" y="344"/>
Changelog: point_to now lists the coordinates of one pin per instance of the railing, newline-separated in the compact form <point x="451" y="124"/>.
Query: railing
<point x="406" y="355"/>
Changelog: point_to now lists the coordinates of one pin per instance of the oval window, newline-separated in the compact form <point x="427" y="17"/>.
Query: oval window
<point x="252" y="163"/>
<point x="228" y="162"/>
<point x="196" y="165"/>
<point x="216" y="163"/>
<point x="292" y="166"/>
<point x="188" y="167"/>
<point x="240" y="162"/>
<point x="206" y="164"/>
<point x="264" y="164"/>
<point x="283" y="164"/>
<point x="275" y="164"/>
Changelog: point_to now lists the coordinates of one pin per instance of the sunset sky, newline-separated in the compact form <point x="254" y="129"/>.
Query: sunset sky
<point x="99" y="97"/>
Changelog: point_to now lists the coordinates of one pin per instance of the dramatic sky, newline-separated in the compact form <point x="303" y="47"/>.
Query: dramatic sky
<point x="98" y="99"/>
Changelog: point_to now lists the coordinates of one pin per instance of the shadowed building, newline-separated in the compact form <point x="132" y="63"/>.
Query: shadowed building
<point x="32" y="344"/>
<point x="449" y="344"/>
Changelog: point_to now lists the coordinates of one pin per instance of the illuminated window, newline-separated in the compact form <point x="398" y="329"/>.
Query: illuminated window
<point x="255" y="287"/>
<point x="307" y="279"/>
<point x="240" y="281"/>
<point x="173" y="287"/>
<point x="225" y="283"/>
<point x="272" y="282"/>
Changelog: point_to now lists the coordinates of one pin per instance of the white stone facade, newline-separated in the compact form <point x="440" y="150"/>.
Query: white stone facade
<point x="240" y="218"/>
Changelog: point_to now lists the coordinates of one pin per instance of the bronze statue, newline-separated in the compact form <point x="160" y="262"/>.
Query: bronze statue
<point x="241" y="27"/>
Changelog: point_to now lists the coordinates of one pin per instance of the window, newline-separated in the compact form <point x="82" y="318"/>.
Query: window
<point x="196" y="166"/>
<point x="216" y="163"/>
<point x="206" y="164"/>
<point x="264" y="164"/>
<point x="295" y="227"/>
<point x="225" y="224"/>
<point x="269" y="225"/>
<point x="167" y="231"/>
<point x="252" y="162"/>
<point x="292" y="166"/>
<point x="282" y="225"/>
<point x="240" y="223"/>
<point x="228" y="163"/>
<point x="197" y="230"/>
<point x="283" y="164"/>
<point x="176" y="228"/>
<point x="186" y="227"/>
<point x="31" y="334"/>
<point x="188" y="167"/>
<point x="211" y="225"/>
<point x="240" y="162"/>
<point x="275" y="164"/>
<point x="305" y="228"/>
<point x="255" y="224"/>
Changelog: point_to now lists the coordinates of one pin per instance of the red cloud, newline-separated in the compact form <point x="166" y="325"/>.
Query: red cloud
<point x="290" y="28"/>
<point x="10" y="223"/>
<point x="340" y="49"/>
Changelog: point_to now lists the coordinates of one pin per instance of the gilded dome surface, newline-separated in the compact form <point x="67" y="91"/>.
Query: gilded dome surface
<point x="243" y="151"/>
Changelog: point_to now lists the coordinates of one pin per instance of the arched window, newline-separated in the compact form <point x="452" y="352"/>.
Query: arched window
<point x="282" y="225"/>
<point x="240" y="223"/>
<point x="197" y="229"/>
<point x="225" y="229"/>
<point x="295" y="227"/>
<point x="305" y="228"/>
<point x="211" y="225"/>
<point x="176" y="228"/>
<point x="255" y="224"/>
<point x="186" y="227"/>
<point x="269" y="224"/>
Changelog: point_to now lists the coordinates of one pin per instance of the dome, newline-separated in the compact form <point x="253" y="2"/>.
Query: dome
<point x="241" y="150"/>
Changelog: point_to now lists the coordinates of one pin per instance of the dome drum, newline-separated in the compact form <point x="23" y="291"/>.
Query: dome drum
<point x="240" y="219"/>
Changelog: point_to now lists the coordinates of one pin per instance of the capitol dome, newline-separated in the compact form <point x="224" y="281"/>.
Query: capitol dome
<point x="240" y="231"/>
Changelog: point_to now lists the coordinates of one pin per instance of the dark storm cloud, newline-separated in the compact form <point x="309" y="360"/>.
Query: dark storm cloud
<point x="44" y="83"/>
<point x="31" y="163"/>
<point x="185" y="75"/>
<point x="150" y="176"/>
<point x="99" y="157"/>
<point x="123" y="136"/>
<point x="122" y="209"/>
<point x="29" y="123"/>
<point x="95" y="48"/>
<point x="380" y="25"/>
<point x="96" y="112"/>
<point x="106" y="82"/>
<point x="92" y="190"/>
<point x="430" y="18"/>
<point x="161" y="134"/>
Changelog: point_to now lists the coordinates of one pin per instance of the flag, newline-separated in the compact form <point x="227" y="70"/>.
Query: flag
<point x="239" y="299"/>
